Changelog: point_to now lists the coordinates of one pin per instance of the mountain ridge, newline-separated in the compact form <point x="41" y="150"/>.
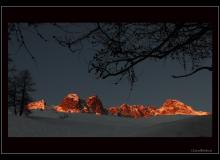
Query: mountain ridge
<point x="72" y="103"/>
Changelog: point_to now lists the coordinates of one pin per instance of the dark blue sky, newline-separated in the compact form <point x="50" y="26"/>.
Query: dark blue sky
<point x="58" y="72"/>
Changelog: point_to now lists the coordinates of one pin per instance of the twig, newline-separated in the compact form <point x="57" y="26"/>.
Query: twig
<point x="193" y="72"/>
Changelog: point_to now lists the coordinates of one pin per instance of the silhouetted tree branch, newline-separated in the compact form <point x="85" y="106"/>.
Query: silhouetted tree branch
<point x="115" y="59"/>
<point x="198" y="69"/>
<point x="120" y="47"/>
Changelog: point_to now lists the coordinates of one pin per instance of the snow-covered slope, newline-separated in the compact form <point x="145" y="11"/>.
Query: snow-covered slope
<point x="53" y="124"/>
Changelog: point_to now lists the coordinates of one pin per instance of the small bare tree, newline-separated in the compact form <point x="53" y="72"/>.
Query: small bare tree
<point x="12" y="86"/>
<point x="25" y="86"/>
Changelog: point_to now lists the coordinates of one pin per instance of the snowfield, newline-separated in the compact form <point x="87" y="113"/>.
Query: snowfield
<point x="53" y="124"/>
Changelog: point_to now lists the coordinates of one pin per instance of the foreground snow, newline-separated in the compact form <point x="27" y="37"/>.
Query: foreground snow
<point x="53" y="124"/>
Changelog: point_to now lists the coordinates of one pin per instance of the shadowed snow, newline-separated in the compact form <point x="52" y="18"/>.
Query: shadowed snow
<point x="52" y="124"/>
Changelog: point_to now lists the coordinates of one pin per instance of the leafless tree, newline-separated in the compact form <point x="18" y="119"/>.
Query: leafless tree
<point x="20" y="86"/>
<point x="13" y="93"/>
<point x="12" y="85"/>
<point x="25" y="86"/>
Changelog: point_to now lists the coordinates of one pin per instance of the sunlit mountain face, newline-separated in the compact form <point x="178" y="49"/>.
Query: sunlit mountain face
<point x="36" y="105"/>
<point x="134" y="111"/>
<point x="173" y="107"/>
<point x="70" y="103"/>
<point x="73" y="104"/>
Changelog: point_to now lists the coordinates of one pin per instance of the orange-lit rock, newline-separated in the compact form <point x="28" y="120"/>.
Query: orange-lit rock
<point x="70" y="104"/>
<point x="36" y="105"/>
<point x="169" y="107"/>
<point x="125" y="110"/>
<point x="85" y="110"/>
<point x="94" y="104"/>
<point x="60" y="109"/>
<point x="133" y="111"/>
<point x="113" y="111"/>
<point x="175" y="107"/>
<point x="148" y="111"/>
<point x="73" y="104"/>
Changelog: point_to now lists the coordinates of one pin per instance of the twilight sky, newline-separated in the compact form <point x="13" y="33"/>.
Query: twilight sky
<point x="58" y="72"/>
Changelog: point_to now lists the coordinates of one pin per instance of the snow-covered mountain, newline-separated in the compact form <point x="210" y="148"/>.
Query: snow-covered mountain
<point x="172" y="119"/>
<point x="72" y="103"/>
<point x="173" y="107"/>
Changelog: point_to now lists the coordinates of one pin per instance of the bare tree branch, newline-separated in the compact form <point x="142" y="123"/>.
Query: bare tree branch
<point x="73" y="42"/>
<point x="23" y="44"/>
<point x="155" y="53"/>
<point x="198" y="69"/>
<point x="120" y="47"/>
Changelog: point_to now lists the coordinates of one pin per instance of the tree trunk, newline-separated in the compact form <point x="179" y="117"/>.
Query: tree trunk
<point x="14" y="101"/>
<point x="22" y="100"/>
<point x="14" y="98"/>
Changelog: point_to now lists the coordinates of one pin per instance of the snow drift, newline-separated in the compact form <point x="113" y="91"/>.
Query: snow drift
<point x="54" y="124"/>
